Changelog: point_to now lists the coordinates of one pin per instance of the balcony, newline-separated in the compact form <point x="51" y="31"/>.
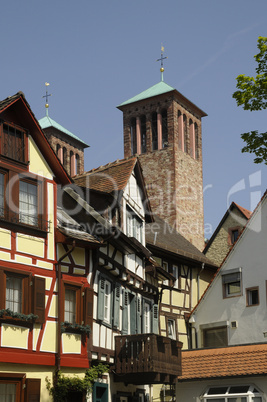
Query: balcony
<point x="147" y="359"/>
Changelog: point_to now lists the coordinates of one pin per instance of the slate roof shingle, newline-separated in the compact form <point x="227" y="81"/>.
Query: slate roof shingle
<point x="231" y="361"/>
<point x="160" y="234"/>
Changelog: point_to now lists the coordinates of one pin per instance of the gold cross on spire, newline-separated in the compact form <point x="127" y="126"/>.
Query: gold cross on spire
<point x="161" y="61"/>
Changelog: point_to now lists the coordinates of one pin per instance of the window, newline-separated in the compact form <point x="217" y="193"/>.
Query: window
<point x="15" y="387"/>
<point x="28" y="203"/>
<point x="164" y="129"/>
<point x="133" y="136"/>
<point x="14" y="293"/>
<point x="147" y="318"/>
<point x="171" y="328"/>
<point x="104" y="300"/>
<point x="185" y="133"/>
<point x="233" y="393"/>
<point x="78" y="304"/>
<point x="253" y="296"/>
<point x="175" y="272"/>
<point x="231" y="284"/>
<point x="13" y="142"/>
<point x="143" y="134"/>
<point x="17" y="295"/>
<point x="2" y="194"/>
<point x="154" y="131"/>
<point x="64" y="157"/>
<point x="196" y="142"/>
<point x="70" y="306"/>
<point x="215" y="337"/>
<point x="77" y="164"/>
<point x="134" y="225"/>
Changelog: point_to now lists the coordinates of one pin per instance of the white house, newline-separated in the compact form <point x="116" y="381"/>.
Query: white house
<point x="228" y="327"/>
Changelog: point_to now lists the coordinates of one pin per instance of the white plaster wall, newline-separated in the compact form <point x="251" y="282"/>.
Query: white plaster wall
<point x="192" y="390"/>
<point x="249" y="253"/>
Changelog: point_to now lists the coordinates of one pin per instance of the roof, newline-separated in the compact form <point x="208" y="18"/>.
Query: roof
<point x="26" y="117"/>
<point x="231" y="361"/>
<point x="245" y="212"/>
<point x="71" y="228"/>
<point x="157" y="89"/>
<point x="109" y="178"/>
<point x="46" y="122"/>
<point x="161" y="235"/>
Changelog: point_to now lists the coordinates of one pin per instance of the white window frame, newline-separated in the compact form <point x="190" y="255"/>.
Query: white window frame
<point x="147" y="317"/>
<point x="227" y="396"/>
<point x="171" y="329"/>
<point x="107" y="302"/>
<point x="134" y="225"/>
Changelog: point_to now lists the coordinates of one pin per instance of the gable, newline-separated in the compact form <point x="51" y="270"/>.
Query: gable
<point x="16" y="110"/>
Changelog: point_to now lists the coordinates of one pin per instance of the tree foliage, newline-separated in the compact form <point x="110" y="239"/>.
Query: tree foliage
<point x="252" y="95"/>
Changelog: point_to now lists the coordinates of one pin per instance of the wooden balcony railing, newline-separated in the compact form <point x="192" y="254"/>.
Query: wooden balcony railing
<point x="147" y="359"/>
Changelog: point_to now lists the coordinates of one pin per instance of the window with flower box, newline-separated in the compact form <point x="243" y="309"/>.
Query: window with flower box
<point x="22" y="295"/>
<point x="77" y="305"/>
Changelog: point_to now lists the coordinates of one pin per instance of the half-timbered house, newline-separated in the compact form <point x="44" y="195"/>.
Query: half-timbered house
<point x="125" y="280"/>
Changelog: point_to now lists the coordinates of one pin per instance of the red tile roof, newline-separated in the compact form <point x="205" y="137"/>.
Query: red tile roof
<point x="109" y="178"/>
<point x="232" y="361"/>
<point x="244" y="211"/>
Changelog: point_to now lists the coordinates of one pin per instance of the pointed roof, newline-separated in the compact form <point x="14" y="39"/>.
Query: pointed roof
<point x="245" y="213"/>
<point x="231" y="361"/>
<point x="157" y="89"/>
<point x="109" y="178"/>
<point x="18" y="106"/>
<point x="47" y="122"/>
<point x="112" y="179"/>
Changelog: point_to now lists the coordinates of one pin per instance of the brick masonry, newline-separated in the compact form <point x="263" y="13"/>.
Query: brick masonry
<point x="173" y="177"/>
<point x="56" y="137"/>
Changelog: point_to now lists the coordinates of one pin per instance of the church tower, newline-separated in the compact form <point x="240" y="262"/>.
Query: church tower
<point x="163" y="128"/>
<point x="67" y="146"/>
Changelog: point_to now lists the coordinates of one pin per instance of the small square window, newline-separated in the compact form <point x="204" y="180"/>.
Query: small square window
<point x="231" y="284"/>
<point x="252" y="296"/>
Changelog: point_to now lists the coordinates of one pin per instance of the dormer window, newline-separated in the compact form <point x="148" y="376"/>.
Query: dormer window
<point x="13" y="142"/>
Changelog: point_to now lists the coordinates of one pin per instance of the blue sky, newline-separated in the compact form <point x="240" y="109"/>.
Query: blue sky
<point x="97" y="54"/>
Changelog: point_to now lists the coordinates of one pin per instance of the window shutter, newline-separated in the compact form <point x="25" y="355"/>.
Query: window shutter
<point x="138" y="315"/>
<point x="2" y="290"/>
<point x="39" y="298"/>
<point x="88" y="306"/>
<point x="125" y="300"/>
<point x="100" y="298"/>
<point x="116" y="306"/>
<point x="133" y="315"/>
<point x="155" y="319"/>
<point x="32" y="390"/>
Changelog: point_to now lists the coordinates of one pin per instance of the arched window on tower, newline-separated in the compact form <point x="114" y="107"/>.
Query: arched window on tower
<point x="77" y="163"/>
<point x="143" y="134"/>
<point x="64" y="157"/>
<point x="72" y="164"/>
<point x="196" y="142"/>
<point x="133" y="136"/>
<point x="164" y="128"/>
<point x="59" y="153"/>
<point x="185" y="133"/>
<point x="192" y="146"/>
<point x="154" y="131"/>
<point x="180" y="131"/>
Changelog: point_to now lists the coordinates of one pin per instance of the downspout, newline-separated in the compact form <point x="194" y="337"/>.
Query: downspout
<point x="59" y="312"/>
<point x="198" y="276"/>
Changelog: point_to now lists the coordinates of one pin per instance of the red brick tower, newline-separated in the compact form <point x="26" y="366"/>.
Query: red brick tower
<point x="163" y="128"/>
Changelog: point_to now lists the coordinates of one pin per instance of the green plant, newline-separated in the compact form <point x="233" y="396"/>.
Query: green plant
<point x="62" y="385"/>
<point x="84" y="329"/>
<point x="5" y="313"/>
